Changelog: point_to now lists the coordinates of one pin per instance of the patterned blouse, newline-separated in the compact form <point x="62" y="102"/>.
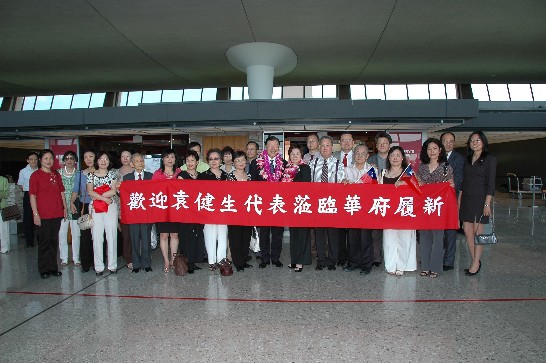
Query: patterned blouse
<point x="231" y="176"/>
<point x="97" y="181"/>
<point x="68" y="182"/>
<point x="441" y="174"/>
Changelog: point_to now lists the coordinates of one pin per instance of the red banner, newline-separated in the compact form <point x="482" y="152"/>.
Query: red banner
<point x="289" y="204"/>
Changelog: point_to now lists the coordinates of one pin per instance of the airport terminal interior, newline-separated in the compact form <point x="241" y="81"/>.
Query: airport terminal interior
<point x="147" y="76"/>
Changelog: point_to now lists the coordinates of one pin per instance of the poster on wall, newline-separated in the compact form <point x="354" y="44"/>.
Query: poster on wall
<point x="59" y="147"/>
<point x="411" y="142"/>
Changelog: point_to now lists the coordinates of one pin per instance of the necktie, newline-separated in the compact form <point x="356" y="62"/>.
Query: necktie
<point x="312" y="157"/>
<point x="139" y="176"/>
<point x="345" y="160"/>
<point x="272" y="163"/>
<point x="324" y="175"/>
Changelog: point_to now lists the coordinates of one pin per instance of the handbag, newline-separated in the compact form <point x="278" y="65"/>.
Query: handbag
<point x="180" y="264"/>
<point x="86" y="220"/>
<point x="226" y="269"/>
<point x="255" y="240"/>
<point x="11" y="213"/>
<point x="486" y="238"/>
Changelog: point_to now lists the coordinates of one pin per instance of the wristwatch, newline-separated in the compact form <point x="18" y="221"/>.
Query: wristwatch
<point x="486" y="205"/>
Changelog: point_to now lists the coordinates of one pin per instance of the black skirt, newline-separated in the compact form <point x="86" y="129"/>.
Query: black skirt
<point x="167" y="227"/>
<point x="472" y="209"/>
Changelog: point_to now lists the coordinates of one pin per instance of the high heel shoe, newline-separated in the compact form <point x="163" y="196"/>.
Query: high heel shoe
<point x="479" y="268"/>
<point x="468" y="273"/>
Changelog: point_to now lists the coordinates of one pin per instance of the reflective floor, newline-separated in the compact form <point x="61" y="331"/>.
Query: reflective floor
<point x="276" y="315"/>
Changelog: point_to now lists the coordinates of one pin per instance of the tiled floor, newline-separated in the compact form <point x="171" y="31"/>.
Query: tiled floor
<point x="276" y="315"/>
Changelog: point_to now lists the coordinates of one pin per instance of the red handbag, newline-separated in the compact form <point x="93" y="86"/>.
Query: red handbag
<point x="226" y="269"/>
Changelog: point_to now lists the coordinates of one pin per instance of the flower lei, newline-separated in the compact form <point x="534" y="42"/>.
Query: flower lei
<point x="290" y="171"/>
<point x="265" y="167"/>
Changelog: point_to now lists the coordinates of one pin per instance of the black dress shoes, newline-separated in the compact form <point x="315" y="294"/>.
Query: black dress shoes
<point x="292" y="265"/>
<point x="239" y="268"/>
<point x="447" y="268"/>
<point x="99" y="273"/>
<point x="86" y="269"/>
<point x="278" y="263"/>
<point x="195" y="267"/>
<point x="136" y="270"/>
<point x="319" y="268"/>
<point x="44" y="275"/>
<point x="148" y="269"/>
<point x="247" y="265"/>
<point x="341" y="263"/>
<point x="349" y="267"/>
<point x="366" y="271"/>
<point x="263" y="264"/>
<point x="55" y="273"/>
<point x="376" y="264"/>
<point x="113" y="271"/>
<point x="331" y="267"/>
<point x="248" y="258"/>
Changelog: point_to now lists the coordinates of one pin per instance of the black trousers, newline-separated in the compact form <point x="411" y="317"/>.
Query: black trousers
<point x="48" y="244"/>
<point x="191" y="242"/>
<point x="239" y="242"/>
<point x="344" y="241"/>
<point x="271" y="248"/>
<point x="327" y="239"/>
<point x="300" y="246"/>
<point x="86" y="244"/>
<point x="361" y="248"/>
<point x="28" y="220"/>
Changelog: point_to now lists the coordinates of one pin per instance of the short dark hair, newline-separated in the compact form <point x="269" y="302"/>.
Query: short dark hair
<point x="255" y="143"/>
<point x="272" y="138"/>
<point x="165" y="153"/>
<point x="404" y="160"/>
<point x="226" y="150"/>
<point x="447" y="133"/>
<point x="295" y="147"/>
<point x="41" y="155"/>
<point x="98" y="156"/>
<point x="214" y="150"/>
<point x="385" y="135"/>
<point x="423" y="155"/>
<point x="239" y="154"/>
<point x="32" y="153"/>
<point x="70" y="153"/>
<point x="191" y="153"/>
<point x="194" y="144"/>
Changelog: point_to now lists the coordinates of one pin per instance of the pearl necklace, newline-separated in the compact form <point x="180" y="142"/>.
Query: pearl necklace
<point x="67" y="173"/>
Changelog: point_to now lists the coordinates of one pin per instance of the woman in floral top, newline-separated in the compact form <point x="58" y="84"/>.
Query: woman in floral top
<point x="433" y="169"/>
<point x="68" y="175"/>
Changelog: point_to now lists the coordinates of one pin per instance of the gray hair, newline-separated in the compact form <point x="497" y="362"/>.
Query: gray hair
<point x="326" y="137"/>
<point x="133" y="156"/>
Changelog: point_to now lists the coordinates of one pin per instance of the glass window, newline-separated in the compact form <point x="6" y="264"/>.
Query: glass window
<point x="81" y="100"/>
<point x="437" y="91"/>
<point x="539" y="92"/>
<point x="134" y="98"/>
<point x="172" y="95"/>
<point x="375" y="92"/>
<point x="192" y="95"/>
<point x="245" y="94"/>
<point x="28" y="103"/>
<point x="358" y="92"/>
<point x="396" y="92"/>
<point x="277" y="93"/>
<point x="520" y="92"/>
<point x="209" y="94"/>
<point x="97" y="100"/>
<point x="329" y="91"/>
<point x="43" y="102"/>
<point x="451" y="91"/>
<point x="313" y="92"/>
<point x="1" y="100"/>
<point x="479" y="91"/>
<point x="292" y="92"/>
<point x="62" y="102"/>
<point x="236" y="93"/>
<point x="418" y="91"/>
<point x="123" y="98"/>
<point x="151" y="96"/>
<point x="498" y="92"/>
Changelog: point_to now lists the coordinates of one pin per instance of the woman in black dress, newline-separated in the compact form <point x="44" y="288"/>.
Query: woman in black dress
<point x="239" y="236"/>
<point x="476" y="194"/>
<point x="300" y="246"/>
<point x="190" y="234"/>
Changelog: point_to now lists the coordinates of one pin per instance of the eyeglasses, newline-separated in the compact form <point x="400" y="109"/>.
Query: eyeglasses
<point x="346" y="140"/>
<point x="361" y="154"/>
<point x="475" y="140"/>
<point x="69" y="158"/>
<point x="212" y="159"/>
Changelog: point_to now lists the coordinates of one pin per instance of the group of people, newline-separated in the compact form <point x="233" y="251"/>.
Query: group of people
<point x="54" y="199"/>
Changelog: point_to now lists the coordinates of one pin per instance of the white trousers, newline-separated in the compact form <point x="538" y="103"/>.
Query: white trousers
<point x="213" y="233"/>
<point x="399" y="250"/>
<point x="105" y="223"/>
<point x="4" y="236"/>
<point x="63" y="240"/>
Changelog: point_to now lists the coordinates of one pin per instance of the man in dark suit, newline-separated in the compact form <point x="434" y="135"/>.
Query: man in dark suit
<point x="269" y="166"/>
<point x="456" y="161"/>
<point x="140" y="232"/>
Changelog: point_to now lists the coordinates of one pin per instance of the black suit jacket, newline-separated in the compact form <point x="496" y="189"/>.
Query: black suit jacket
<point x="456" y="161"/>
<point x="255" y="173"/>
<point x="131" y="176"/>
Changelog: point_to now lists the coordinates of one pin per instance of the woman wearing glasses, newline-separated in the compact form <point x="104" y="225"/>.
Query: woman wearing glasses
<point x="68" y="175"/>
<point x="48" y="209"/>
<point x="433" y="169"/>
<point x="476" y="194"/>
<point x="215" y="232"/>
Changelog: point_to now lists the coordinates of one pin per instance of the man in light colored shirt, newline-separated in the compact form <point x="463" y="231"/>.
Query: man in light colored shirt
<point x="24" y="183"/>
<point x="313" y="146"/>
<point x="456" y="161"/>
<point x="327" y="169"/>
<point x="201" y="166"/>
<point x="383" y="143"/>
<point x="252" y="148"/>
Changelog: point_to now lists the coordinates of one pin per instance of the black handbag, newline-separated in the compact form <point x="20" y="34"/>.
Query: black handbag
<point x="11" y="213"/>
<point x="77" y="202"/>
